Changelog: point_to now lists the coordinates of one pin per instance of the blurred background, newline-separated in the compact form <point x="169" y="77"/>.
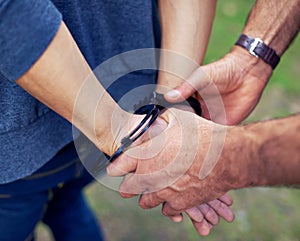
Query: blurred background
<point x="262" y="214"/>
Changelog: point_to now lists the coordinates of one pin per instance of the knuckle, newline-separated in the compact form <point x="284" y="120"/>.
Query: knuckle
<point x="165" y="212"/>
<point x="216" y="205"/>
<point x="177" y="205"/>
<point x="145" y="201"/>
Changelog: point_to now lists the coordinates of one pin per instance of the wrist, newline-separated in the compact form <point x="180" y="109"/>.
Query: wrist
<point x="241" y="155"/>
<point x="250" y="64"/>
<point x="259" y="49"/>
<point x="277" y="32"/>
<point x="108" y="135"/>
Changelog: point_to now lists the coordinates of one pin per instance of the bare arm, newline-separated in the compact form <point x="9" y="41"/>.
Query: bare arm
<point x="62" y="79"/>
<point x="276" y="22"/>
<point x="186" y="27"/>
<point x="270" y="150"/>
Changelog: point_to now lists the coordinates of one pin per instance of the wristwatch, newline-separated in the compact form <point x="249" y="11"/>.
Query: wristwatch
<point x="259" y="49"/>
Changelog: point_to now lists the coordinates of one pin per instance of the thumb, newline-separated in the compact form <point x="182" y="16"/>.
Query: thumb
<point x="197" y="81"/>
<point x="127" y="163"/>
<point x="123" y="165"/>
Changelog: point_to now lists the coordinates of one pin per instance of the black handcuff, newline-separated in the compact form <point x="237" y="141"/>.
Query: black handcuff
<point x="151" y="106"/>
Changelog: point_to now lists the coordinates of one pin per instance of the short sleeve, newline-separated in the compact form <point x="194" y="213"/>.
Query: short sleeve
<point x="26" y="29"/>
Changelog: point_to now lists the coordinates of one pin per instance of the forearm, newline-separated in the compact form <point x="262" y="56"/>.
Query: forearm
<point x="60" y="80"/>
<point x="276" y="22"/>
<point x="267" y="153"/>
<point x="186" y="27"/>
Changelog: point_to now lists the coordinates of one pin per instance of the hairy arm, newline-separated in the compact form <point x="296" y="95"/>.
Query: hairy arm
<point x="239" y="76"/>
<point x="269" y="152"/>
<point x="276" y="22"/>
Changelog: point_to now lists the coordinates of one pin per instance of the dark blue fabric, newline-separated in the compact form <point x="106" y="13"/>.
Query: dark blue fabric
<point x="26" y="29"/>
<point x="30" y="133"/>
<point x="52" y="194"/>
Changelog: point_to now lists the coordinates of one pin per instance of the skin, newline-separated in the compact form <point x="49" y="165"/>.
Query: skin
<point x="48" y="78"/>
<point x="252" y="155"/>
<point x="58" y="78"/>
<point x="258" y="154"/>
<point x="239" y="75"/>
<point x="62" y="67"/>
<point x="185" y="31"/>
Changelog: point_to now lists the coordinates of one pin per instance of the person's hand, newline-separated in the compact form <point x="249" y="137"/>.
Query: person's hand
<point x="205" y="216"/>
<point x="175" y="181"/>
<point x="238" y="78"/>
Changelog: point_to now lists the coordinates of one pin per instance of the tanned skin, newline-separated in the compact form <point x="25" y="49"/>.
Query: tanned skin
<point x="260" y="154"/>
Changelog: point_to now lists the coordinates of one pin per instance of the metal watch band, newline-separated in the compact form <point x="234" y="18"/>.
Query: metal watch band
<point x="259" y="49"/>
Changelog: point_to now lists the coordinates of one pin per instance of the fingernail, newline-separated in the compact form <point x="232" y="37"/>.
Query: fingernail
<point x="177" y="219"/>
<point x="113" y="171"/>
<point x="173" y="94"/>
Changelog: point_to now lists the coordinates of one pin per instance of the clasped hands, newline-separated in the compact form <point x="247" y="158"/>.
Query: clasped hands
<point x="183" y="162"/>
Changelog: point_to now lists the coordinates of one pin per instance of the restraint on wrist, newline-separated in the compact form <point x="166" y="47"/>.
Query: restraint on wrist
<point x="152" y="112"/>
<point x="259" y="49"/>
<point x="160" y="101"/>
<point x="151" y="106"/>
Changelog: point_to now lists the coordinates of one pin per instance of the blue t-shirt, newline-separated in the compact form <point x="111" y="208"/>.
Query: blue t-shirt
<point x="30" y="133"/>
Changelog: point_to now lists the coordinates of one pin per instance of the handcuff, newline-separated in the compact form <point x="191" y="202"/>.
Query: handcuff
<point x="151" y="106"/>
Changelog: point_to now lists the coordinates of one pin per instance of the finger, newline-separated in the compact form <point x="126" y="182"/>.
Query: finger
<point x="149" y="200"/>
<point x="195" y="214"/>
<point x="122" y="165"/>
<point x="127" y="162"/>
<point x="226" y="199"/>
<point x="209" y="213"/>
<point x="222" y="210"/>
<point x="167" y="210"/>
<point x="127" y="193"/>
<point x="154" y="130"/>
<point x="197" y="81"/>
<point x="203" y="227"/>
<point x="177" y="218"/>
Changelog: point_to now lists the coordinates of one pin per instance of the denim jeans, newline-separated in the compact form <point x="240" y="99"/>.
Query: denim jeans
<point x="53" y="194"/>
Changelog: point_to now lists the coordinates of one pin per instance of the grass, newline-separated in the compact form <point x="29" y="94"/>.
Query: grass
<point x="269" y="214"/>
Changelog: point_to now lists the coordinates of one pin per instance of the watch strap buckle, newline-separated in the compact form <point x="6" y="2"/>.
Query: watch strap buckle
<point x="253" y="45"/>
<point x="257" y="48"/>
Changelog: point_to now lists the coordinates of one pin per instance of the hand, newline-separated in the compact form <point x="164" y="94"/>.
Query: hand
<point x="205" y="216"/>
<point x="238" y="78"/>
<point x="176" y="183"/>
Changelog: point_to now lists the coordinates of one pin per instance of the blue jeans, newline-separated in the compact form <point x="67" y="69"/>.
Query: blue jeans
<point x="53" y="194"/>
